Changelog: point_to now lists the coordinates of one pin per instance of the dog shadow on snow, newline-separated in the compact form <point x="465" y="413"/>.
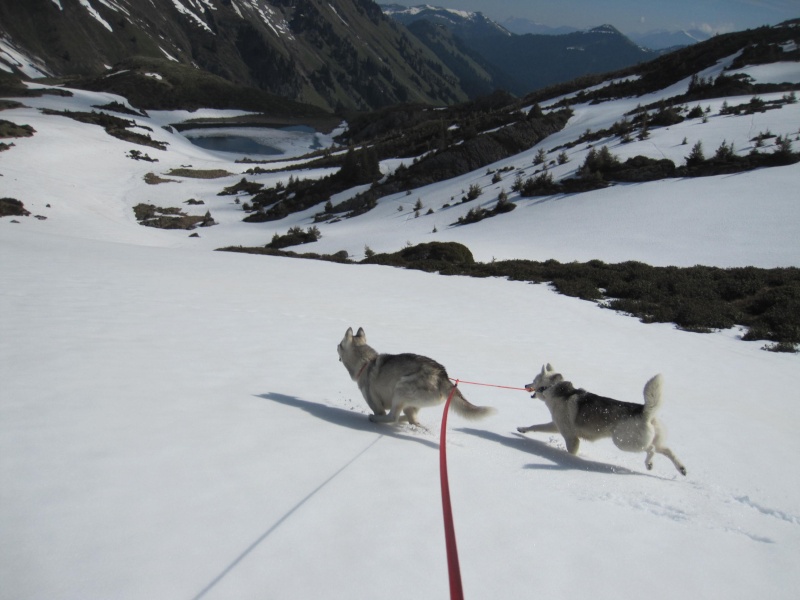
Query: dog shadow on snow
<point x="345" y="418"/>
<point x="560" y="458"/>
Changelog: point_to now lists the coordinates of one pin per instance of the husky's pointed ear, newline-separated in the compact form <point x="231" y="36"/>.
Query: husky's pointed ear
<point x="548" y="368"/>
<point x="348" y="335"/>
<point x="361" y="335"/>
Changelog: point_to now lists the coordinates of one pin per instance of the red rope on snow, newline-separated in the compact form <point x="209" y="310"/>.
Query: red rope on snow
<point x="504" y="387"/>
<point x="453" y="568"/>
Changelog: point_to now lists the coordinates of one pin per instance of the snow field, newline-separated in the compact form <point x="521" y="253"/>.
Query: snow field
<point x="174" y="422"/>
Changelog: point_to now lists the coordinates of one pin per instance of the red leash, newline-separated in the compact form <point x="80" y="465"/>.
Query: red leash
<point x="504" y="387"/>
<point x="453" y="568"/>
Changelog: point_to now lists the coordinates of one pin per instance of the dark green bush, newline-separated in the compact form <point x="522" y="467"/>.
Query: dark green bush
<point x="641" y="168"/>
<point x="449" y="252"/>
<point x="479" y="213"/>
<point x="9" y="129"/>
<point x="294" y="237"/>
<point x="445" y="257"/>
<point x="150" y="215"/>
<point x="11" y="207"/>
<point x="114" y="126"/>
<point x="244" y="186"/>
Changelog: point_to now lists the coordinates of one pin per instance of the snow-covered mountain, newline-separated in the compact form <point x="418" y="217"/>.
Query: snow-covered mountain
<point x="662" y="39"/>
<point x="659" y="39"/>
<point x="340" y="56"/>
<point x="522" y="26"/>
<point x="463" y="23"/>
<point x="174" y="421"/>
<point x="522" y="63"/>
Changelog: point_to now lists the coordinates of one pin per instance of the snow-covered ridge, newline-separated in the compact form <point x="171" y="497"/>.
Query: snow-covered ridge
<point x="194" y="9"/>
<point x="191" y="14"/>
<point x="411" y="10"/>
<point x="610" y="29"/>
<point x="449" y="14"/>
<point x="114" y="5"/>
<point x="12" y="58"/>
<point x="94" y="14"/>
<point x="333" y="8"/>
<point x="415" y="10"/>
<point x="267" y="14"/>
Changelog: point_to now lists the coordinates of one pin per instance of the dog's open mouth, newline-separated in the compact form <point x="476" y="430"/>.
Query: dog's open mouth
<point x="533" y="389"/>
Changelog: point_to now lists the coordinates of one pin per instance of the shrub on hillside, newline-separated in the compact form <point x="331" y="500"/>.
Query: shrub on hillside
<point x="641" y="168"/>
<point x="150" y="215"/>
<point x="242" y="187"/>
<point x="434" y="256"/>
<point x="11" y="207"/>
<point x="114" y="126"/>
<point x="294" y="237"/>
<point x="9" y="129"/>
<point x="479" y="213"/>
<point x="666" y="116"/>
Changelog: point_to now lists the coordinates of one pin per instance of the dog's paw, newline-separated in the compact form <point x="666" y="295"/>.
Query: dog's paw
<point x="522" y="429"/>
<point x="682" y="469"/>
<point x="373" y="418"/>
<point x="649" y="466"/>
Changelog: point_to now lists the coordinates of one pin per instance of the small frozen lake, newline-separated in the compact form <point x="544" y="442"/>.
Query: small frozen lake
<point x="285" y="142"/>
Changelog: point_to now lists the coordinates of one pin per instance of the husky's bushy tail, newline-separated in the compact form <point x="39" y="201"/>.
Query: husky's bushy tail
<point x="467" y="409"/>
<point x="652" y="396"/>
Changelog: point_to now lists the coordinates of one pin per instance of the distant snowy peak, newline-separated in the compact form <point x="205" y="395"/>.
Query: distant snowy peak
<point x="610" y="29"/>
<point x="451" y="18"/>
<point x="695" y="34"/>
<point x="395" y="9"/>
<point x="662" y="39"/>
<point x="652" y="40"/>
<point x="521" y="26"/>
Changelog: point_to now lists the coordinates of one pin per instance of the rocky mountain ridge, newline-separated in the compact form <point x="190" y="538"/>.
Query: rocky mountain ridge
<point x="340" y="57"/>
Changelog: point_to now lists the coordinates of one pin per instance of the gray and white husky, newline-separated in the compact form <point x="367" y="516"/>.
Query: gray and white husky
<point x="400" y="383"/>
<point x="578" y="414"/>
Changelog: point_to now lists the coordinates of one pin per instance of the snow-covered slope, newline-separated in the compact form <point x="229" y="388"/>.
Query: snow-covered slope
<point x="174" y="422"/>
<point x="657" y="222"/>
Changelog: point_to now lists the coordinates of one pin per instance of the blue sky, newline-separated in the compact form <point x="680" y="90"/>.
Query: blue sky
<point x="714" y="16"/>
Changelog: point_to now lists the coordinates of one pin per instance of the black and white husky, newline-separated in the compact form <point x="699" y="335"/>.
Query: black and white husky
<point x="400" y="383"/>
<point x="578" y="414"/>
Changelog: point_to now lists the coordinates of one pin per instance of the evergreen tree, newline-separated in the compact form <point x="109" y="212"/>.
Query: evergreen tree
<point x="536" y="112"/>
<point x="724" y="151"/>
<point x="598" y="161"/>
<point x="696" y="156"/>
<point x="783" y="146"/>
<point x="360" y="166"/>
